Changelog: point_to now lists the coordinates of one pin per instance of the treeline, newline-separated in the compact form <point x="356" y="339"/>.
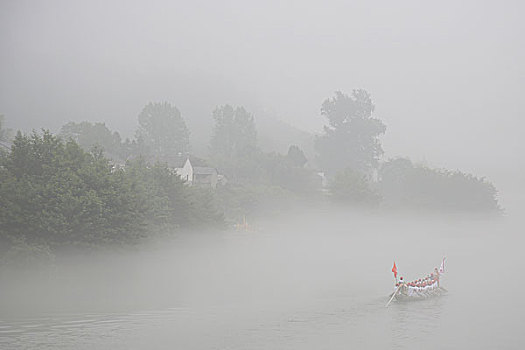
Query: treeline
<point x="255" y="180"/>
<point x="406" y="185"/>
<point x="88" y="186"/>
<point x="350" y="152"/>
<point x="53" y="193"/>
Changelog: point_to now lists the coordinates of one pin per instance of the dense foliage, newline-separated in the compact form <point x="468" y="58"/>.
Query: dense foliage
<point x="351" y="187"/>
<point x="252" y="200"/>
<point x="404" y="184"/>
<point x="162" y="132"/>
<point x="289" y="172"/>
<point x="351" y="138"/>
<point x="52" y="192"/>
<point x="233" y="145"/>
<point x="89" y="135"/>
<point x="89" y="188"/>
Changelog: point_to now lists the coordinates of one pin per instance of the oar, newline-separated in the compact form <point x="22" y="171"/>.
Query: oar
<point x="393" y="295"/>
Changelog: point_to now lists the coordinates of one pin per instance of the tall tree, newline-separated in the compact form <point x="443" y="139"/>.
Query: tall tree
<point x="89" y="135"/>
<point x="163" y="131"/>
<point x="234" y="141"/>
<point x="351" y="138"/>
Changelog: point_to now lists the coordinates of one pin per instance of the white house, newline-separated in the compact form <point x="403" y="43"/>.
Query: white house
<point x="198" y="176"/>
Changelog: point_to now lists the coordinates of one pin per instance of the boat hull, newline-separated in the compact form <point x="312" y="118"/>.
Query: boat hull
<point x="420" y="296"/>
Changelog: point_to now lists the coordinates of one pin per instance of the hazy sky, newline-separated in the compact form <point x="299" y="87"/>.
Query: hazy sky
<point x="447" y="76"/>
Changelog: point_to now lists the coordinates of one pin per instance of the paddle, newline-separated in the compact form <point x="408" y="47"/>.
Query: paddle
<point x="393" y="295"/>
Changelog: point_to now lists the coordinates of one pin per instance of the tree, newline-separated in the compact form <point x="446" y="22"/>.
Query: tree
<point x="351" y="187"/>
<point x="351" y="138"/>
<point x="289" y="172"/>
<point x="233" y="145"/>
<point x="234" y="133"/>
<point x="167" y="201"/>
<point x="296" y="156"/>
<point x="405" y="185"/>
<point x="89" y="135"/>
<point x="162" y="131"/>
<point x="53" y="193"/>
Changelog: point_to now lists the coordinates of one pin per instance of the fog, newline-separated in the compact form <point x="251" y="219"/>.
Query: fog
<point x="446" y="68"/>
<point x="446" y="78"/>
<point x="296" y="284"/>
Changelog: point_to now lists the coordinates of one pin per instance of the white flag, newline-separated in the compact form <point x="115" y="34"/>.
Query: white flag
<point x="442" y="267"/>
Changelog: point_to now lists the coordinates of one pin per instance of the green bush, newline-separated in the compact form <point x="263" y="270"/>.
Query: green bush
<point x="54" y="193"/>
<point x="404" y="184"/>
<point x="352" y="187"/>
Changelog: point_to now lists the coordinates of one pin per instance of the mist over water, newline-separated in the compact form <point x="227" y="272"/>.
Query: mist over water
<point x="319" y="282"/>
<point x="349" y="134"/>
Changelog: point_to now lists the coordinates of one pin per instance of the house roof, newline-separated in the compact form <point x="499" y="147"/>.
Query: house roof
<point x="204" y="170"/>
<point x="178" y="161"/>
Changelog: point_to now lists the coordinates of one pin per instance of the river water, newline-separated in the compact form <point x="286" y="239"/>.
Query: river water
<point x="314" y="281"/>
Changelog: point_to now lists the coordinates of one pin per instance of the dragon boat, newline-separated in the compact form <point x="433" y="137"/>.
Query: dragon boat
<point x="421" y="289"/>
<point x="404" y="294"/>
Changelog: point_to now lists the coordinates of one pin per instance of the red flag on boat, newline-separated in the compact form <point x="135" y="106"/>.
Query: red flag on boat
<point x="442" y="267"/>
<point x="394" y="270"/>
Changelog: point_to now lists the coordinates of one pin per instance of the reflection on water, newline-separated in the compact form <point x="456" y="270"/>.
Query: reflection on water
<point x="295" y="286"/>
<point x="350" y="322"/>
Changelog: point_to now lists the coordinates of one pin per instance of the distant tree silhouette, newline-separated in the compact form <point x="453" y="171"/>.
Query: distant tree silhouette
<point x="233" y="145"/>
<point x="296" y="156"/>
<point x="89" y="135"/>
<point x="351" y="187"/>
<point x="162" y="131"/>
<point x="405" y="185"/>
<point x="351" y="138"/>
